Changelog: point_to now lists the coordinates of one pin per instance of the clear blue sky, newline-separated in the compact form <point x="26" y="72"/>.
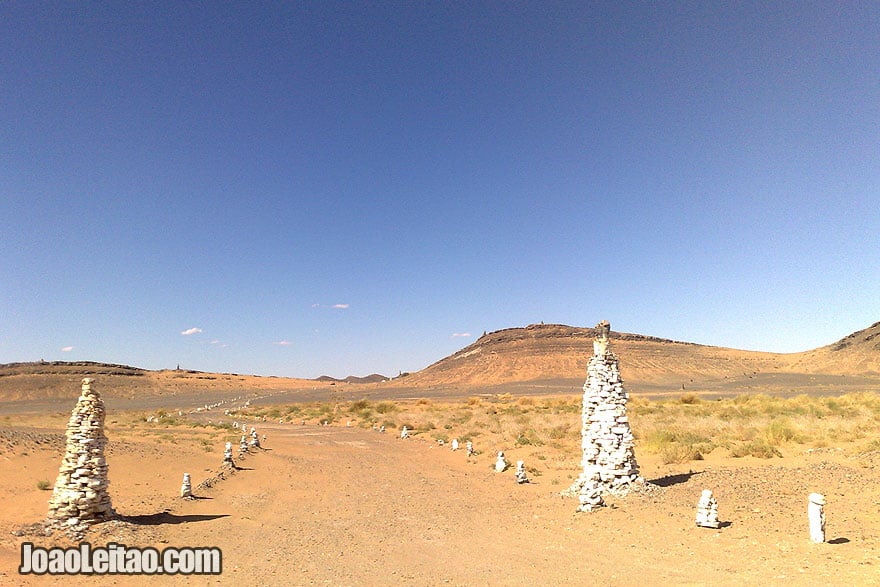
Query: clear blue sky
<point x="300" y="189"/>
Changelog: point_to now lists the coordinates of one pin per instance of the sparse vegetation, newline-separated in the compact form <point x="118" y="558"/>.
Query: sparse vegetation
<point x="44" y="485"/>
<point x="681" y="429"/>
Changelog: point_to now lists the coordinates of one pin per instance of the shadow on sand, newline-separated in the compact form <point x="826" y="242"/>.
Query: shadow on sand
<point x="670" y="480"/>
<point x="166" y="518"/>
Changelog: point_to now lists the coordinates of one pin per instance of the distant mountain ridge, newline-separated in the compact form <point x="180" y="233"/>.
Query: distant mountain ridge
<point x="549" y="357"/>
<point x="374" y="378"/>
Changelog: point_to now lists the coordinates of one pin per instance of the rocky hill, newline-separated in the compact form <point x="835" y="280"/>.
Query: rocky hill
<point x="540" y="358"/>
<point x="557" y="355"/>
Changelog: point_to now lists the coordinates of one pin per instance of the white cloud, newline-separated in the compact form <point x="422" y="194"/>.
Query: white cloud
<point x="67" y="349"/>
<point x="189" y="331"/>
<point x="340" y="306"/>
<point x="283" y="343"/>
<point x="316" y="305"/>
<point x="461" y="334"/>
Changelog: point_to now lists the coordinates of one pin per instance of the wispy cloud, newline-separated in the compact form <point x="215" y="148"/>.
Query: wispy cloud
<point x="67" y="349"/>
<point x="190" y="331"/>
<point x="219" y="344"/>
<point x="461" y="334"/>
<point x="283" y="343"/>
<point x="340" y="306"/>
<point x="334" y="306"/>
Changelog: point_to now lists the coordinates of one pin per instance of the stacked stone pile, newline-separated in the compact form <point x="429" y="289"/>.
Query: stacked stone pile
<point x="186" y="487"/>
<point x="80" y="495"/>
<point x="500" y="463"/>
<point x="707" y="510"/>
<point x="521" y="476"/>
<point x="609" y="463"/>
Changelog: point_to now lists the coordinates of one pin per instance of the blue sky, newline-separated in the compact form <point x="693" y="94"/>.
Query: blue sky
<point x="300" y="189"/>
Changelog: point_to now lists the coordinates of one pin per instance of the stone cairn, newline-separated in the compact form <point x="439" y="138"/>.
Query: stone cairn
<point x="80" y="495"/>
<point x="469" y="447"/>
<point x="500" y="463"/>
<point x="186" y="489"/>
<point x="609" y="463"/>
<point x="521" y="476"/>
<point x="707" y="511"/>
<point x="227" y="455"/>
<point x="816" y="515"/>
<point x="454" y="444"/>
<point x="404" y="432"/>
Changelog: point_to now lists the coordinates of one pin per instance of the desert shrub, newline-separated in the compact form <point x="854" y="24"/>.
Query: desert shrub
<point x="386" y="407"/>
<point x="755" y="448"/>
<point x="558" y="432"/>
<point x="689" y="399"/>
<point x="359" y="405"/>
<point x="527" y="437"/>
<point x="43" y="485"/>
<point x="780" y="430"/>
<point x="674" y="452"/>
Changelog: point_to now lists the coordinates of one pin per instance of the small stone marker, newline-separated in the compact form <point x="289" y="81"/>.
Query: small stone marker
<point x="242" y="445"/>
<point x="816" y="513"/>
<point x="500" y="463"/>
<point x="227" y="455"/>
<point x="470" y="448"/>
<point x="707" y="511"/>
<point x="186" y="488"/>
<point x="404" y="433"/>
<point x="454" y="444"/>
<point x="382" y="428"/>
<point x="521" y="473"/>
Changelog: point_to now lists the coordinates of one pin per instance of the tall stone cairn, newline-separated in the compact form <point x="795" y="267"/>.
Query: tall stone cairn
<point x="80" y="494"/>
<point x="609" y="462"/>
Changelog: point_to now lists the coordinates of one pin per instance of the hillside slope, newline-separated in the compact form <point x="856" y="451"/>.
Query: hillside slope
<point x="560" y="353"/>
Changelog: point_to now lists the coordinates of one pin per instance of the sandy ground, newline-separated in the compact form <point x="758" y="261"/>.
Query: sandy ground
<point x="337" y="505"/>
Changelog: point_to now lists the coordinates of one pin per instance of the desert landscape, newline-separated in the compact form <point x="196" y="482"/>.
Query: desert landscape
<point x="331" y="499"/>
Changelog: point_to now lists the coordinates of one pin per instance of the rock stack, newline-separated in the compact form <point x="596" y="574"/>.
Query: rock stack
<point x="227" y="455"/>
<point x="80" y="494"/>
<point x="707" y="510"/>
<point x="609" y="463"/>
<point x="816" y="515"/>
<point x="500" y="463"/>
<point x="521" y="476"/>
<point x="186" y="487"/>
